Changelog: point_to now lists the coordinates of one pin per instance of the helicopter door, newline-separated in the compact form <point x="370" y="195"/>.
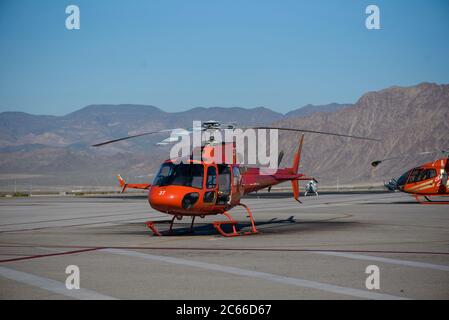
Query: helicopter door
<point x="237" y="182"/>
<point x="224" y="184"/>
<point x="210" y="194"/>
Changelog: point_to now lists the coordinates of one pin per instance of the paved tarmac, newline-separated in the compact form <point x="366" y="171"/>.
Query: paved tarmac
<point x="318" y="250"/>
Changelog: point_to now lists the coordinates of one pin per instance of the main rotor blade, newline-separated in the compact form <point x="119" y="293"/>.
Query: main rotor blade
<point x="177" y="131"/>
<point x="202" y="129"/>
<point x="319" y="132"/>
<point x="126" y="138"/>
<point x="377" y="162"/>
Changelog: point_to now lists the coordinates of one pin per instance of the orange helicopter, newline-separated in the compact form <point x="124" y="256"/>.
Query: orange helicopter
<point x="427" y="180"/>
<point x="198" y="188"/>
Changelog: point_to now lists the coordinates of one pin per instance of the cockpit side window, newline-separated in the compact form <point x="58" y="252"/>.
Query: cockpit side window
<point x="414" y="176"/>
<point x="224" y="178"/>
<point x="421" y="175"/>
<point x="236" y="172"/>
<point x="431" y="173"/>
<point x="224" y="184"/>
<point x="211" y="181"/>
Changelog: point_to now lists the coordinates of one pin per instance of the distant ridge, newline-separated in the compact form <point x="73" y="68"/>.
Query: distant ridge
<point x="309" y="109"/>
<point x="407" y="119"/>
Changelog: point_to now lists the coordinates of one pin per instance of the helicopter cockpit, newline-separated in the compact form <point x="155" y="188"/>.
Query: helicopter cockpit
<point x="414" y="176"/>
<point x="213" y="179"/>
<point x="182" y="174"/>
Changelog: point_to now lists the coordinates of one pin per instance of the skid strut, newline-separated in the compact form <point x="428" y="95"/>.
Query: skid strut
<point x="217" y="225"/>
<point x="233" y="223"/>
<point x="152" y="225"/>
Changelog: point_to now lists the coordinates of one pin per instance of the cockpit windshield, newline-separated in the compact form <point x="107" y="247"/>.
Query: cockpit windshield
<point x="183" y="174"/>
<point x="403" y="179"/>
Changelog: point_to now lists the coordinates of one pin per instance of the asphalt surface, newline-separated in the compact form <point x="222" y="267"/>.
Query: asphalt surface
<point x="318" y="250"/>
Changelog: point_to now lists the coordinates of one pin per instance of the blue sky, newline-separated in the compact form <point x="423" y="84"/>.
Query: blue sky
<point x="182" y="54"/>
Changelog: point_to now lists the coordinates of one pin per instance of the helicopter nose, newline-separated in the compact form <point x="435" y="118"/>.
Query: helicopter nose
<point x="172" y="198"/>
<point x="163" y="198"/>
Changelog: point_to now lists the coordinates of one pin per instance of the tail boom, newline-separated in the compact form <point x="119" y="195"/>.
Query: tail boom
<point x="125" y="185"/>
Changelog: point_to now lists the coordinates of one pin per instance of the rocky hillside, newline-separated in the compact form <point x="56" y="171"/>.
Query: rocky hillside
<point x="50" y="150"/>
<point x="407" y="119"/>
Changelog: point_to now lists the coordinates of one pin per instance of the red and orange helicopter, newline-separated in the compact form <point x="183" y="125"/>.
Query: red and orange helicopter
<point x="425" y="181"/>
<point x="198" y="188"/>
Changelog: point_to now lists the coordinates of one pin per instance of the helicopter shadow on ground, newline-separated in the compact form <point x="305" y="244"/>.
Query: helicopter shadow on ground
<point x="272" y="226"/>
<point x="391" y="202"/>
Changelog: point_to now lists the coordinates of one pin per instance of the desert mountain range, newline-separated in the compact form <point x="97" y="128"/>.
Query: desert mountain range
<point x="43" y="150"/>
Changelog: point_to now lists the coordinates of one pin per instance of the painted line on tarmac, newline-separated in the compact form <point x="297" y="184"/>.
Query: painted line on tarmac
<point x="47" y="255"/>
<point x="108" y="222"/>
<point x="75" y="218"/>
<point x="255" y="249"/>
<point x="385" y="260"/>
<point x="256" y="274"/>
<point x="51" y="285"/>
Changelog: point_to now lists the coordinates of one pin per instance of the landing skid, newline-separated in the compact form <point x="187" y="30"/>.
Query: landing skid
<point x="156" y="232"/>
<point x="428" y="201"/>
<point x="233" y="223"/>
<point x="217" y="225"/>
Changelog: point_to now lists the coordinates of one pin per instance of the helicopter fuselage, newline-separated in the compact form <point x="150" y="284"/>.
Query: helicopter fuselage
<point x="429" y="179"/>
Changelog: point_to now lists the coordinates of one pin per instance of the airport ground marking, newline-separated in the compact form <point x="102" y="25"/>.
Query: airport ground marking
<point x="180" y="248"/>
<point x="256" y="274"/>
<point x="51" y="285"/>
<point x="385" y="260"/>
<point x="113" y="222"/>
<point x="48" y="255"/>
<point x="76" y="218"/>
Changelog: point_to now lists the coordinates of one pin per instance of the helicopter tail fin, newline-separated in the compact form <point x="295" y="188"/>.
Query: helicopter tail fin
<point x="297" y="157"/>
<point x="295" y="187"/>
<point x="295" y="167"/>
<point x="122" y="182"/>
